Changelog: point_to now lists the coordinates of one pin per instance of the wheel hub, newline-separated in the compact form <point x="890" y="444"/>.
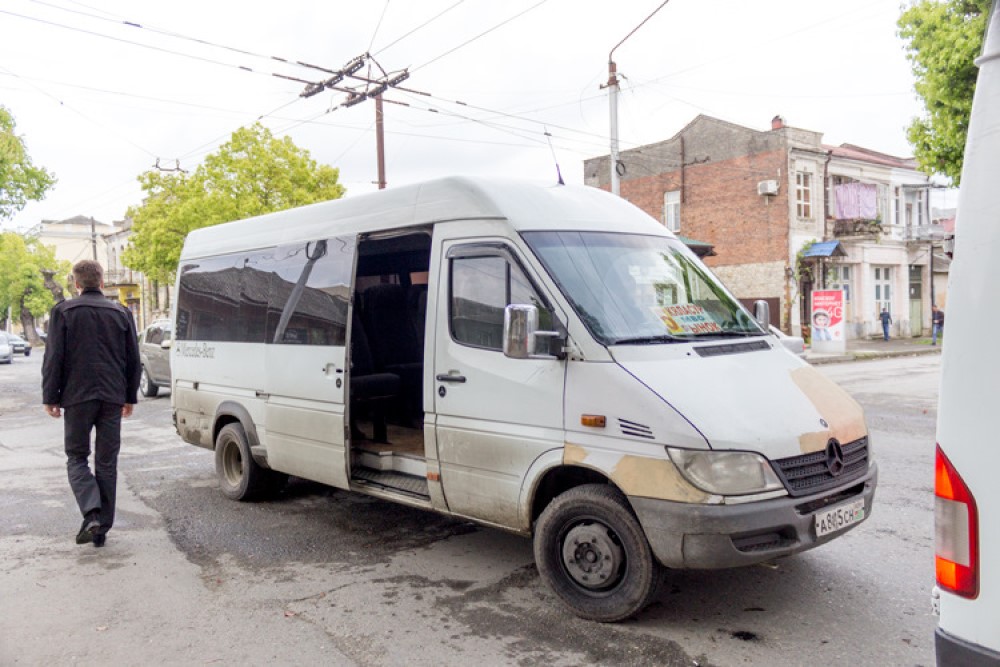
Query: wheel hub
<point x="593" y="555"/>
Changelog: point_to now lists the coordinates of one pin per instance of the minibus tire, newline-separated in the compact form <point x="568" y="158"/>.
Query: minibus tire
<point x="600" y="515"/>
<point x="240" y="478"/>
<point x="148" y="388"/>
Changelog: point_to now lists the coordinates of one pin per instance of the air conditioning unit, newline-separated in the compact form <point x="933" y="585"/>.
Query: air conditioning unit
<point x="767" y="188"/>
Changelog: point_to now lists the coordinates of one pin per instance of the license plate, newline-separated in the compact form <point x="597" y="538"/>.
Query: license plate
<point x="840" y="517"/>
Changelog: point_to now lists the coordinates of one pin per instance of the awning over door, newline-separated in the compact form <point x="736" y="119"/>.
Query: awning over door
<point x="826" y="249"/>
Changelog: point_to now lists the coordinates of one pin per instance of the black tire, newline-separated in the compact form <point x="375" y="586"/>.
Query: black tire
<point x="148" y="388"/>
<point x="240" y="478"/>
<point x="27" y="352"/>
<point x="591" y="551"/>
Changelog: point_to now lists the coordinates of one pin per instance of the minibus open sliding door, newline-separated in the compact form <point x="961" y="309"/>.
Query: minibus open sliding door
<point x="306" y="358"/>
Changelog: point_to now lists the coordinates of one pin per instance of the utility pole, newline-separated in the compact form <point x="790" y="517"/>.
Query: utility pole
<point x="380" y="142"/>
<point x="93" y="237"/>
<point x="612" y="86"/>
<point x="373" y="90"/>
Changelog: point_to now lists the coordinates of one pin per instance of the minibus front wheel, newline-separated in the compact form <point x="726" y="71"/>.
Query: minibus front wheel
<point x="240" y="478"/>
<point x="593" y="554"/>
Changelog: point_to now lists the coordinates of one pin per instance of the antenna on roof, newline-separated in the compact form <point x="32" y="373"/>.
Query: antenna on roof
<point x="548" y="137"/>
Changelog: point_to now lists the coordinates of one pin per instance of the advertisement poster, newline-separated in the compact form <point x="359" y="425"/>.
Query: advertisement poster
<point x="827" y="321"/>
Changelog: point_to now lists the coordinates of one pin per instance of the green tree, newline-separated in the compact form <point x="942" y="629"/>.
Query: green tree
<point x="20" y="180"/>
<point x="23" y="289"/>
<point x="943" y="38"/>
<point x="254" y="173"/>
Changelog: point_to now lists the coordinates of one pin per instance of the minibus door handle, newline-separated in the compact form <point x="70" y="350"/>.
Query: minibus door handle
<point x="451" y="376"/>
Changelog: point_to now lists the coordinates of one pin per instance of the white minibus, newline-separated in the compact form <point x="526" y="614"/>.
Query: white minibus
<point x="967" y="496"/>
<point x="547" y="360"/>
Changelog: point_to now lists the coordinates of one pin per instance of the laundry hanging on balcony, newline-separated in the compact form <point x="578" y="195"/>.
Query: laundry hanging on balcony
<point x="856" y="201"/>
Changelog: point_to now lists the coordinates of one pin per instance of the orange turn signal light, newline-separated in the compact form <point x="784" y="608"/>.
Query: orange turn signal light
<point x="597" y="421"/>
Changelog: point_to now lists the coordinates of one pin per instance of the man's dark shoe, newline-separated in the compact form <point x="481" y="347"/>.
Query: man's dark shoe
<point x="100" y="539"/>
<point x="88" y="529"/>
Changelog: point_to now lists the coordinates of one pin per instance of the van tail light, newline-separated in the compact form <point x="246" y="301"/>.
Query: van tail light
<point x="956" y="531"/>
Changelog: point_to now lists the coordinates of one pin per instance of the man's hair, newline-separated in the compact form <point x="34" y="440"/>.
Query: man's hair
<point x="88" y="274"/>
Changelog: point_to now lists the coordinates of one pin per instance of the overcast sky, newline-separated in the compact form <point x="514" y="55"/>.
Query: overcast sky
<point x="99" y="101"/>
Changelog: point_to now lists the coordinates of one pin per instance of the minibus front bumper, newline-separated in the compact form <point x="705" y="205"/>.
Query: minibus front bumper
<point x="694" y="536"/>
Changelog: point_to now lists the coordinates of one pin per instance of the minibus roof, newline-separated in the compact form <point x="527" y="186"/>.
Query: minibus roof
<point x="525" y="206"/>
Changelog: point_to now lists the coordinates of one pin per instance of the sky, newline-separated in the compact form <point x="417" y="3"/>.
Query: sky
<point x="103" y="91"/>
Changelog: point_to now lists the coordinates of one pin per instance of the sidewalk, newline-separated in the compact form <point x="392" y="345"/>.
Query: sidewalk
<point x="877" y="349"/>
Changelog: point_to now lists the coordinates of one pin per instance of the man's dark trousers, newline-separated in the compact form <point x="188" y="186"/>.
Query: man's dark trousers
<point x="93" y="491"/>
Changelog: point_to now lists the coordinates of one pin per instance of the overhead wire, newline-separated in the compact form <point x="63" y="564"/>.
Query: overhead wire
<point x="378" y="25"/>
<point x="479" y="36"/>
<point x="422" y="25"/>
<point x="80" y="113"/>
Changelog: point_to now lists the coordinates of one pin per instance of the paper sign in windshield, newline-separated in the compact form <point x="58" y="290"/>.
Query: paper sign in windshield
<point x="687" y="320"/>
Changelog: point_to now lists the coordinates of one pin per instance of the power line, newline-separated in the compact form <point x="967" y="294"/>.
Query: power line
<point x="80" y="113"/>
<point x="378" y="25"/>
<point x="161" y="49"/>
<point x="422" y="25"/>
<point x="482" y="34"/>
<point x="121" y="21"/>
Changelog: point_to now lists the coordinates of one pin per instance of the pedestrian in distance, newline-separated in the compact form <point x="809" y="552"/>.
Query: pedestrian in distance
<point x="886" y="321"/>
<point x="937" y="324"/>
<point x="91" y="373"/>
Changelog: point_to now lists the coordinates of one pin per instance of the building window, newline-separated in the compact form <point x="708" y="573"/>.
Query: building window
<point x="803" y="194"/>
<point x="883" y="288"/>
<point x="672" y="210"/>
<point x="841" y="279"/>
<point x="899" y="205"/>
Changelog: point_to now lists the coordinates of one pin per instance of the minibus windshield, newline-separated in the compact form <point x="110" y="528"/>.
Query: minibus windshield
<point x="639" y="290"/>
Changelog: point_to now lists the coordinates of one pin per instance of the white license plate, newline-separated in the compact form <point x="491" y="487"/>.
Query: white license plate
<point x="840" y="517"/>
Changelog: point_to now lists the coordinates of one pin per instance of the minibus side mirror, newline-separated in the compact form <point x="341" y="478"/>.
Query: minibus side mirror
<point x="167" y="344"/>
<point x="762" y="313"/>
<point x="521" y="335"/>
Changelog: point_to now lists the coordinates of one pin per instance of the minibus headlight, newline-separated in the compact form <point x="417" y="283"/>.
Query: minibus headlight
<point x="725" y="473"/>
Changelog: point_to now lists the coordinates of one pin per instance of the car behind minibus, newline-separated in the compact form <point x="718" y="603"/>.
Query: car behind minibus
<point x="967" y="496"/>
<point x="548" y="360"/>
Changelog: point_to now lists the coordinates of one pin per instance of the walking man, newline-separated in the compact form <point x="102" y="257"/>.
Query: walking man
<point x="937" y="323"/>
<point x="91" y="371"/>
<point x="886" y="321"/>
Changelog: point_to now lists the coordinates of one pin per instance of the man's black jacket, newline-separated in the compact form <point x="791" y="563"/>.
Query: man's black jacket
<point x="91" y="353"/>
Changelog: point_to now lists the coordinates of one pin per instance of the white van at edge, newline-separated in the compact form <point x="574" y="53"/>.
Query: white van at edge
<point x="544" y="359"/>
<point x="967" y="496"/>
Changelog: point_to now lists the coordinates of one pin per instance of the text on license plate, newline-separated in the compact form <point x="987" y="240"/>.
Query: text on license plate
<point x="840" y="517"/>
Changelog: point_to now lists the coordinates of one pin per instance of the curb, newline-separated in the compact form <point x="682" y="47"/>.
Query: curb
<point x="864" y="355"/>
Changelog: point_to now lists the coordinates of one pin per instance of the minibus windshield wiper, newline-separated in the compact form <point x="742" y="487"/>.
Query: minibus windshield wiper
<point x="648" y="340"/>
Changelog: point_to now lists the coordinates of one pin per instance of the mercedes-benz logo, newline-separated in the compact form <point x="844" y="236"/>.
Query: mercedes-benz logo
<point x="834" y="457"/>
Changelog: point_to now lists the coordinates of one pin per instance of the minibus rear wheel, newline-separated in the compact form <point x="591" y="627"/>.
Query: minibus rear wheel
<point x="591" y="551"/>
<point x="240" y="478"/>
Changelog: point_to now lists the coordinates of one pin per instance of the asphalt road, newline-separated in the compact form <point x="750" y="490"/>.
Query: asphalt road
<point x="325" y="576"/>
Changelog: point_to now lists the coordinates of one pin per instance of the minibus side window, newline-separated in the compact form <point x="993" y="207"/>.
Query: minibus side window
<point x="208" y="299"/>
<point x="481" y="287"/>
<point x="309" y="292"/>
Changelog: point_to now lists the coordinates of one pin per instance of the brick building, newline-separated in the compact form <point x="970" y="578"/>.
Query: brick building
<point x="762" y="198"/>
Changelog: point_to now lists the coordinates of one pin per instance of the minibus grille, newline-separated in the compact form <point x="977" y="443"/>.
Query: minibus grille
<point x="809" y="473"/>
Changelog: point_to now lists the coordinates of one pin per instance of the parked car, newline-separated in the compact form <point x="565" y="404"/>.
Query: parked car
<point x="154" y="354"/>
<point x="793" y="344"/>
<point x="6" y="349"/>
<point x="20" y="345"/>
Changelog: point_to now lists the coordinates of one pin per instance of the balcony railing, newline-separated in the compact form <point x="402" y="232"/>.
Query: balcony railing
<point x="121" y="277"/>
<point x="856" y="227"/>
